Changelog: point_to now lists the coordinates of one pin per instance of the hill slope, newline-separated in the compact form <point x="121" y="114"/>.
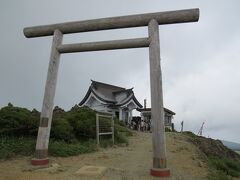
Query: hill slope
<point x="185" y="159"/>
<point x="231" y="145"/>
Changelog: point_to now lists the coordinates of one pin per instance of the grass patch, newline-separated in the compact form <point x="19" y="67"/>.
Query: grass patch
<point x="13" y="146"/>
<point x="122" y="130"/>
<point x="122" y="139"/>
<point x="105" y="142"/>
<point x="223" y="163"/>
<point x="63" y="149"/>
<point x="227" y="166"/>
<point x="218" y="175"/>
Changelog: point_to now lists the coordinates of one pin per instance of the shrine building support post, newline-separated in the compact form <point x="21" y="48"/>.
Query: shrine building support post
<point x="152" y="20"/>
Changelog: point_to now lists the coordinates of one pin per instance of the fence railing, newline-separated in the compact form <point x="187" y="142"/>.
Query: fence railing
<point x="104" y="126"/>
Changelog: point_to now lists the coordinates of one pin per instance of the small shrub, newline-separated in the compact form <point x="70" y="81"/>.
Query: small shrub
<point x="121" y="139"/>
<point x="122" y="129"/>
<point x="189" y="133"/>
<point x="62" y="130"/>
<point x="83" y="121"/>
<point x="167" y="129"/>
<point x="16" y="121"/>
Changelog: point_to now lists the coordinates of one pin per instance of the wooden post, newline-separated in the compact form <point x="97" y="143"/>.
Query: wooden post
<point x="112" y="129"/>
<point x="97" y="128"/>
<point x="158" y="137"/>
<point x="181" y="126"/>
<point x="120" y="114"/>
<point x="41" y="153"/>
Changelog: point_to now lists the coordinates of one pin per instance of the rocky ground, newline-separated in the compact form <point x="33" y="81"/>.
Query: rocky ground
<point x="127" y="162"/>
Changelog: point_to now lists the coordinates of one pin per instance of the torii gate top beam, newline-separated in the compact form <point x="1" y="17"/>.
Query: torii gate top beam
<point x="167" y="17"/>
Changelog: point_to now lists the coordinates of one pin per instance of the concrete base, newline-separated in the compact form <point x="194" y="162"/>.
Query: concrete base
<point x="160" y="172"/>
<point x="96" y="171"/>
<point x="39" y="162"/>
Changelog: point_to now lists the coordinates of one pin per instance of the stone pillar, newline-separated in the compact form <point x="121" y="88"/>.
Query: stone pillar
<point x="41" y="153"/>
<point x="120" y="114"/>
<point x="130" y="116"/>
<point x="123" y="115"/>
<point x="158" y="133"/>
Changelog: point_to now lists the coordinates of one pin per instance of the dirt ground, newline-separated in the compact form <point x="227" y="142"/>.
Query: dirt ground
<point x="123" y="163"/>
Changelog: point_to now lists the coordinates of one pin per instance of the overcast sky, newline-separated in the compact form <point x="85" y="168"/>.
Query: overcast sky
<point x="200" y="61"/>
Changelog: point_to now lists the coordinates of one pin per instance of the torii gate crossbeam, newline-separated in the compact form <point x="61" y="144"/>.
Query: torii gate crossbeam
<point x="152" y="20"/>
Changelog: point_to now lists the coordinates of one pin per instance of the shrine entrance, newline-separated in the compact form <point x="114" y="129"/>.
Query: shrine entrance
<point x="152" y="20"/>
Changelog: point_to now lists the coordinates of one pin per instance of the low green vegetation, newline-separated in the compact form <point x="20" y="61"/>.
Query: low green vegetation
<point x="191" y="134"/>
<point x="72" y="133"/>
<point x="223" y="162"/>
<point x="63" y="149"/>
<point x="217" y="175"/>
<point x="226" y="166"/>
<point x="14" y="146"/>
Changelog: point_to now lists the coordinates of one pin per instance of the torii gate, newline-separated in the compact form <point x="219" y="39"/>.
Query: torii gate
<point x="151" y="20"/>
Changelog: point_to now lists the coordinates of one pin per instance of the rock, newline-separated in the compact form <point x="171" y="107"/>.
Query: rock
<point x="200" y="164"/>
<point x="96" y="171"/>
<point x="55" y="165"/>
<point x="52" y="168"/>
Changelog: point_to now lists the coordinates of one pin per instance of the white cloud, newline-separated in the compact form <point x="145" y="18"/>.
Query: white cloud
<point x="211" y="95"/>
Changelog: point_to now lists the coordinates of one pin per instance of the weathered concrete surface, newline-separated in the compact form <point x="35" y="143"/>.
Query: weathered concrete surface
<point x="168" y="17"/>
<point x="95" y="171"/>
<point x="158" y="138"/>
<point x="104" y="45"/>
<point x="48" y="101"/>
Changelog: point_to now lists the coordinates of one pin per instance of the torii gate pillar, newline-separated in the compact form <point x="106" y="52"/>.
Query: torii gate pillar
<point x="41" y="153"/>
<point x="157" y="113"/>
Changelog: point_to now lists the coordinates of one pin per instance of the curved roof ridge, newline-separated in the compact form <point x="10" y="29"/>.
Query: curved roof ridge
<point x="116" y="92"/>
<point x="90" y="90"/>
<point x="85" y="97"/>
<point x="149" y="109"/>
<point x="98" y="95"/>
<point x="108" y="93"/>
<point x="105" y="84"/>
<point x="129" y="99"/>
